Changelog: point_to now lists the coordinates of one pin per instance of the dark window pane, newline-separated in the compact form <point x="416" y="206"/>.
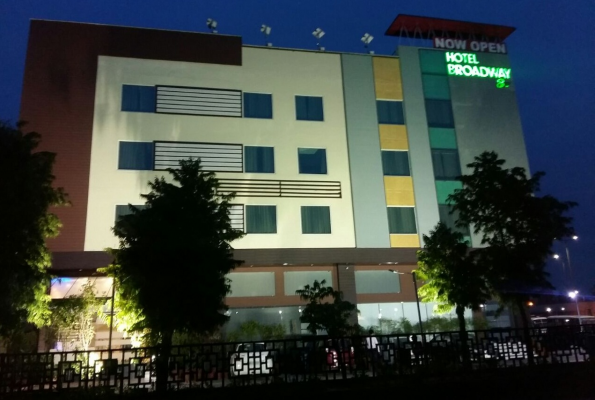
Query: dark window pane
<point x="259" y="159"/>
<point x="395" y="163"/>
<point x="312" y="161"/>
<point x="316" y="219"/>
<point x="136" y="155"/>
<point x="450" y="219"/>
<point x="122" y="210"/>
<point x="401" y="220"/>
<point x="309" y="108"/>
<point x="390" y="112"/>
<point x="258" y="105"/>
<point x="446" y="164"/>
<point x="439" y="113"/>
<point x="261" y="219"/>
<point x="138" y="98"/>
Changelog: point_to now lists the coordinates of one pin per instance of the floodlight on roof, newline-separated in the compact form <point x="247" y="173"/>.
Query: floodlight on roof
<point x="212" y="25"/>
<point x="266" y="30"/>
<point x="367" y="39"/>
<point x="318" y="34"/>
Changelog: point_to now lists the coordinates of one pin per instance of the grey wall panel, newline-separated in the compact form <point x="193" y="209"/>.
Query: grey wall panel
<point x="487" y="118"/>
<point x="419" y="142"/>
<point x="365" y="163"/>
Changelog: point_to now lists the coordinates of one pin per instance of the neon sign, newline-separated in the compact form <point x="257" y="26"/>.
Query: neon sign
<point x="466" y="64"/>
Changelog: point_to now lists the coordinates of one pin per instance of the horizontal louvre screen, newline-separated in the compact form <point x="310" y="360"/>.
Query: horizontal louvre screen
<point x="198" y="101"/>
<point x="236" y="216"/>
<point x="213" y="157"/>
<point x="275" y="188"/>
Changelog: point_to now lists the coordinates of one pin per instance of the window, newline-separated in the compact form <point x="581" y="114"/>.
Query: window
<point x="445" y="189"/>
<point x="390" y="112"/>
<point x="259" y="159"/>
<point x="369" y="282"/>
<point x="316" y="219"/>
<point x="138" y="98"/>
<point x="433" y="61"/>
<point x="443" y="138"/>
<point x="450" y="219"/>
<point x="309" y="108"/>
<point x="251" y="284"/>
<point x="439" y="113"/>
<point x="436" y="87"/>
<point x="395" y="163"/>
<point x="122" y="210"/>
<point x="401" y="220"/>
<point x="294" y="280"/>
<point x="261" y="219"/>
<point x="446" y="164"/>
<point x="258" y="105"/>
<point x="312" y="161"/>
<point x="136" y="155"/>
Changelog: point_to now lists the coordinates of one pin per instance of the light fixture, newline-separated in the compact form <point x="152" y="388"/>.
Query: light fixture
<point x="574" y="237"/>
<point x="212" y="25"/>
<point x="556" y="256"/>
<point x="548" y="309"/>
<point x="367" y="39"/>
<point x="563" y="309"/>
<point x="573" y="294"/>
<point x="266" y="30"/>
<point x="318" y="34"/>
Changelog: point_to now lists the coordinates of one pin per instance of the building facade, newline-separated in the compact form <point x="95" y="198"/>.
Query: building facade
<point x="341" y="162"/>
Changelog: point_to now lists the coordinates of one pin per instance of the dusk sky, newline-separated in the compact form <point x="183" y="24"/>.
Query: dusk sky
<point x="552" y="53"/>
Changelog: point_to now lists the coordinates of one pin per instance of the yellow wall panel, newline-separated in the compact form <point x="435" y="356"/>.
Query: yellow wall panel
<point x="393" y="137"/>
<point x="387" y="78"/>
<point x="404" y="241"/>
<point x="399" y="191"/>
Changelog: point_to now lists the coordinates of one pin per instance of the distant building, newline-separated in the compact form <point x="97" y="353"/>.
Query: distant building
<point x="341" y="161"/>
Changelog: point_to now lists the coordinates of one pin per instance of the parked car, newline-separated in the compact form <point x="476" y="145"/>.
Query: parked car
<point x="251" y="359"/>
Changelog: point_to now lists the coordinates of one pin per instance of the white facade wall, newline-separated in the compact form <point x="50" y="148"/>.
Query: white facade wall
<point x="282" y="73"/>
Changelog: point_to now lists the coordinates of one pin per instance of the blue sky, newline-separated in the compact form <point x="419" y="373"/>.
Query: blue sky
<point x="552" y="54"/>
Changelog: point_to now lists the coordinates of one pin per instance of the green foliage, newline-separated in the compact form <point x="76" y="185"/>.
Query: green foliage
<point x="325" y="309"/>
<point x="451" y="274"/>
<point x="74" y="318"/>
<point x="27" y="194"/>
<point x="517" y="226"/>
<point x="254" y="330"/>
<point x="174" y="255"/>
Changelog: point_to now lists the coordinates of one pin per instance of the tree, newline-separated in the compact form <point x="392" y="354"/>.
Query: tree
<point x="27" y="195"/>
<point x="452" y="277"/>
<point x="325" y="309"/>
<point x="517" y="226"/>
<point x="174" y="255"/>
<point x="74" y="318"/>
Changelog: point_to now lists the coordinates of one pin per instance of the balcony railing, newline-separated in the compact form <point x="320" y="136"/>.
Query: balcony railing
<point x="280" y="188"/>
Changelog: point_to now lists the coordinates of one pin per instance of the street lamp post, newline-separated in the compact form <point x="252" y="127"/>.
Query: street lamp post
<point x="574" y="295"/>
<point x="421" y="329"/>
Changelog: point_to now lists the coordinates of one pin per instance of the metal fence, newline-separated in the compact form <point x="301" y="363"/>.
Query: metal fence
<point x="293" y="360"/>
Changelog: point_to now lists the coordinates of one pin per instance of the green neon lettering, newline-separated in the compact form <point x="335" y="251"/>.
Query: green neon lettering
<point x="507" y="73"/>
<point x="473" y="59"/>
<point x="451" y="69"/>
<point x="483" y="72"/>
<point x="466" y="64"/>
<point x="458" y="69"/>
<point x="450" y="57"/>
<point x="475" y="71"/>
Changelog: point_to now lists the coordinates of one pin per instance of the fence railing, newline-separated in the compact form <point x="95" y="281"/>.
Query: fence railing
<point x="293" y="360"/>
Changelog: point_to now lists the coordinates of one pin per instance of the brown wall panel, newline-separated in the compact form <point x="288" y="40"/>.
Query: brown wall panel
<point x="59" y="92"/>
